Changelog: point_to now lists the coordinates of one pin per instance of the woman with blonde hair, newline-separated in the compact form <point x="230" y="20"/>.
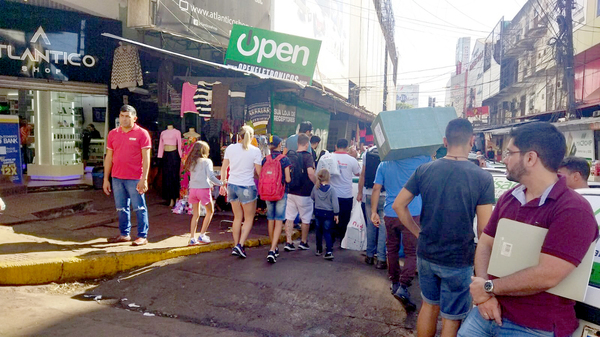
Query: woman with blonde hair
<point x="201" y="177"/>
<point x="242" y="159"/>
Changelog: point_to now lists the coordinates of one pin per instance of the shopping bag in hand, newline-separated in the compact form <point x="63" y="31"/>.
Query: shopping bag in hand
<point x="356" y="233"/>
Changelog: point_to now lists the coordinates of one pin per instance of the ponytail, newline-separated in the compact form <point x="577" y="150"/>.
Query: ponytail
<point x="246" y="132"/>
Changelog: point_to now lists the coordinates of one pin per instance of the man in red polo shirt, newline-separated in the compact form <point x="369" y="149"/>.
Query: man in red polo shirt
<point x="518" y="304"/>
<point x="128" y="162"/>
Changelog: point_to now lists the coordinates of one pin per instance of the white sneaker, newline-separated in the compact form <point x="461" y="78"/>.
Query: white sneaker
<point x="204" y="238"/>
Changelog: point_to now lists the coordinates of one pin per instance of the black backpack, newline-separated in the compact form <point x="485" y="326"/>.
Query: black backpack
<point x="371" y="163"/>
<point x="297" y="170"/>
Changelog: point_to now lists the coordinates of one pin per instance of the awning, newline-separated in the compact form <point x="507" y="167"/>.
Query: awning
<point x="311" y="94"/>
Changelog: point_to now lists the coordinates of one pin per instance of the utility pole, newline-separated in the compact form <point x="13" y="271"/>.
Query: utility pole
<point x="385" y="74"/>
<point x="569" y="69"/>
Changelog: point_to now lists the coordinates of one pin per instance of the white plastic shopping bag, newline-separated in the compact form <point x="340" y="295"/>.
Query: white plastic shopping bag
<point x="356" y="233"/>
<point x="329" y="161"/>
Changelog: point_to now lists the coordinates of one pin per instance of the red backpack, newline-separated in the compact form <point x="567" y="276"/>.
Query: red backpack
<point x="270" y="186"/>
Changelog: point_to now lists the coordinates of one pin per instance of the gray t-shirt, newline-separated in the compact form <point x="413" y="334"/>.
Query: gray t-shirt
<point x="292" y="144"/>
<point x="451" y="191"/>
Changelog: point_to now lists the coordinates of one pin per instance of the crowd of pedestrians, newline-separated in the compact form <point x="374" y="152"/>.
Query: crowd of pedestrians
<point x="422" y="207"/>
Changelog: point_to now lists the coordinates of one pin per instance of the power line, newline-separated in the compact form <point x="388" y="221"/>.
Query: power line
<point x="458" y="10"/>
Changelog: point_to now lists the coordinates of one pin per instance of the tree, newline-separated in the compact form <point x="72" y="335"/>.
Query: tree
<point x="403" y="106"/>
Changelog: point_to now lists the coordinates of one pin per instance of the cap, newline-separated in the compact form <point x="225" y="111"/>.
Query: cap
<point x="274" y="140"/>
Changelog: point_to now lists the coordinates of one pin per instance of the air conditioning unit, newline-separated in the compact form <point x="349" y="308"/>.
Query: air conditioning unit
<point x="596" y="113"/>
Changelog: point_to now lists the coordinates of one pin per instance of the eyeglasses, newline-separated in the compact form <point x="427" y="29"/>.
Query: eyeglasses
<point x="508" y="153"/>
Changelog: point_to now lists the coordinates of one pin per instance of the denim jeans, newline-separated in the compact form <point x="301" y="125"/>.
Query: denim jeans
<point x="324" y="228"/>
<point x="125" y="193"/>
<point x="375" y="236"/>
<point x="475" y="325"/>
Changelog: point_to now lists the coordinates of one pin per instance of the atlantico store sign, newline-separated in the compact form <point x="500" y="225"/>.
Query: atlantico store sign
<point x="47" y="43"/>
<point x="273" y="54"/>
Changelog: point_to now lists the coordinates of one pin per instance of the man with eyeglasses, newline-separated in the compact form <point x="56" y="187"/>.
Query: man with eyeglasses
<point x="518" y="304"/>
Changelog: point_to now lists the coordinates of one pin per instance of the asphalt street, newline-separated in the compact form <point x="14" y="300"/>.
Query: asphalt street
<point x="216" y="294"/>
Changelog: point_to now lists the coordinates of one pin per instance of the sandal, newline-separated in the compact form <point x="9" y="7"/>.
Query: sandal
<point x="119" y="238"/>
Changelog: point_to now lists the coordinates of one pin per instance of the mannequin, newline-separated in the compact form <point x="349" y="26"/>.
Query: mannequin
<point x="191" y="133"/>
<point x="169" y="148"/>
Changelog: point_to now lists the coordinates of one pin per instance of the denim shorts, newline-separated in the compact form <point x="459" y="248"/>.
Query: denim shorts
<point x="243" y="194"/>
<point x="276" y="209"/>
<point x="446" y="287"/>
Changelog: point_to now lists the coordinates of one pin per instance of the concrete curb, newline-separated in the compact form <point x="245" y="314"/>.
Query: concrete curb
<point x="104" y="265"/>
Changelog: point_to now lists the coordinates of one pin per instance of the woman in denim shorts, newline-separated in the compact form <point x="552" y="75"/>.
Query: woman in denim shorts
<point x="276" y="209"/>
<point x="242" y="159"/>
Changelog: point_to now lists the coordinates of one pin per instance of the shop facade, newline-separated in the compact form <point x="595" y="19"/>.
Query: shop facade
<point x="54" y="74"/>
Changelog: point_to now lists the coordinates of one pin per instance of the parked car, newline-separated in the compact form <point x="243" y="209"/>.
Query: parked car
<point x="588" y="312"/>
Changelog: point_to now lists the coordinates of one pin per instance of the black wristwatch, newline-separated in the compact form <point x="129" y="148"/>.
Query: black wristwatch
<point x="488" y="286"/>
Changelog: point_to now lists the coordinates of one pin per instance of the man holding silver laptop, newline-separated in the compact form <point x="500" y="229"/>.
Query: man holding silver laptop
<point x="518" y="304"/>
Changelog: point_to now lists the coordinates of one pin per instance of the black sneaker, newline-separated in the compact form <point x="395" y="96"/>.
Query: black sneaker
<point x="318" y="252"/>
<point x="303" y="246"/>
<point x="328" y="256"/>
<point x="277" y="252"/>
<point x="241" y="252"/>
<point x="289" y="247"/>
<point x="234" y="252"/>
<point x="271" y="258"/>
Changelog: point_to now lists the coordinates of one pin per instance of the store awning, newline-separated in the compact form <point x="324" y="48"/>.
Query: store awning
<point x="311" y="94"/>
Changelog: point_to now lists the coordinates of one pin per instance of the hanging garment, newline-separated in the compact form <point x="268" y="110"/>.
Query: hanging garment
<point x="203" y="98"/>
<point x="165" y="74"/>
<point x="127" y="69"/>
<point x="220" y="98"/>
<point x="171" y="164"/>
<point x="169" y="137"/>
<point x="187" y="98"/>
<point x="258" y="101"/>
<point x="174" y="99"/>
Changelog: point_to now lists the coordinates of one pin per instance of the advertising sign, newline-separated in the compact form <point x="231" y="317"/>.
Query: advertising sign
<point x="209" y="20"/>
<point x="273" y="54"/>
<point x="580" y="144"/>
<point x="285" y="114"/>
<point x="46" y="43"/>
<point x="478" y="111"/>
<point x="10" y="149"/>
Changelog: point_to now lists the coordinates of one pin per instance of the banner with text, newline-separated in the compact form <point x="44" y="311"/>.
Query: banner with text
<point x="10" y="149"/>
<point x="211" y="20"/>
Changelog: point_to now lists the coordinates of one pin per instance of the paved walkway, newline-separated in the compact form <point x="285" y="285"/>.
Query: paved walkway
<point x="61" y="236"/>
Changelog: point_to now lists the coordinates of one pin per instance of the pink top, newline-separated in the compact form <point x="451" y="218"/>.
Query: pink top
<point x="127" y="151"/>
<point x="169" y="137"/>
<point x="187" y="98"/>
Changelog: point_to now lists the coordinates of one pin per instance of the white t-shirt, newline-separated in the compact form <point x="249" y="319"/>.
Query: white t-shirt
<point x="349" y="168"/>
<point x="241" y="164"/>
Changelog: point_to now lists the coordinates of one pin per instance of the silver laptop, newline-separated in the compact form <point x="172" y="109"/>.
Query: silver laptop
<point x="518" y="246"/>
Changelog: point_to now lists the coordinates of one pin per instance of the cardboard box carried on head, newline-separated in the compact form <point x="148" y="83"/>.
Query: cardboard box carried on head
<point x="407" y="133"/>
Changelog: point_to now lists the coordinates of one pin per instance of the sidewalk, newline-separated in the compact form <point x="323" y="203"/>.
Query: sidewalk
<point x="61" y="236"/>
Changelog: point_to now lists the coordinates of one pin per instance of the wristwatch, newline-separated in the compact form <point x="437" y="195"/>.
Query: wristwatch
<point x="488" y="286"/>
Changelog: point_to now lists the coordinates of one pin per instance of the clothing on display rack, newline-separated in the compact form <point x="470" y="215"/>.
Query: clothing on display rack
<point x="258" y="101"/>
<point x="174" y="98"/>
<point x="127" y="68"/>
<point x="165" y="74"/>
<point x="191" y="134"/>
<point x="203" y="98"/>
<point x="187" y="98"/>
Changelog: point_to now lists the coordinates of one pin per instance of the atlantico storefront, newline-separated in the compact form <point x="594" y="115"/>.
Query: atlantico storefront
<point x="54" y="74"/>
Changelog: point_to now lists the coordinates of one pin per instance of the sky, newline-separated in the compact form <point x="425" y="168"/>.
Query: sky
<point x="427" y="32"/>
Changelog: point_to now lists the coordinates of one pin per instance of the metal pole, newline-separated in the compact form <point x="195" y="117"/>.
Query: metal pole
<point x="385" y="88"/>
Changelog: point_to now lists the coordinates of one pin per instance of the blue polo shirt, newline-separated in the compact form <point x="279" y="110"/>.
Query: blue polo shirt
<point x="393" y="175"/>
